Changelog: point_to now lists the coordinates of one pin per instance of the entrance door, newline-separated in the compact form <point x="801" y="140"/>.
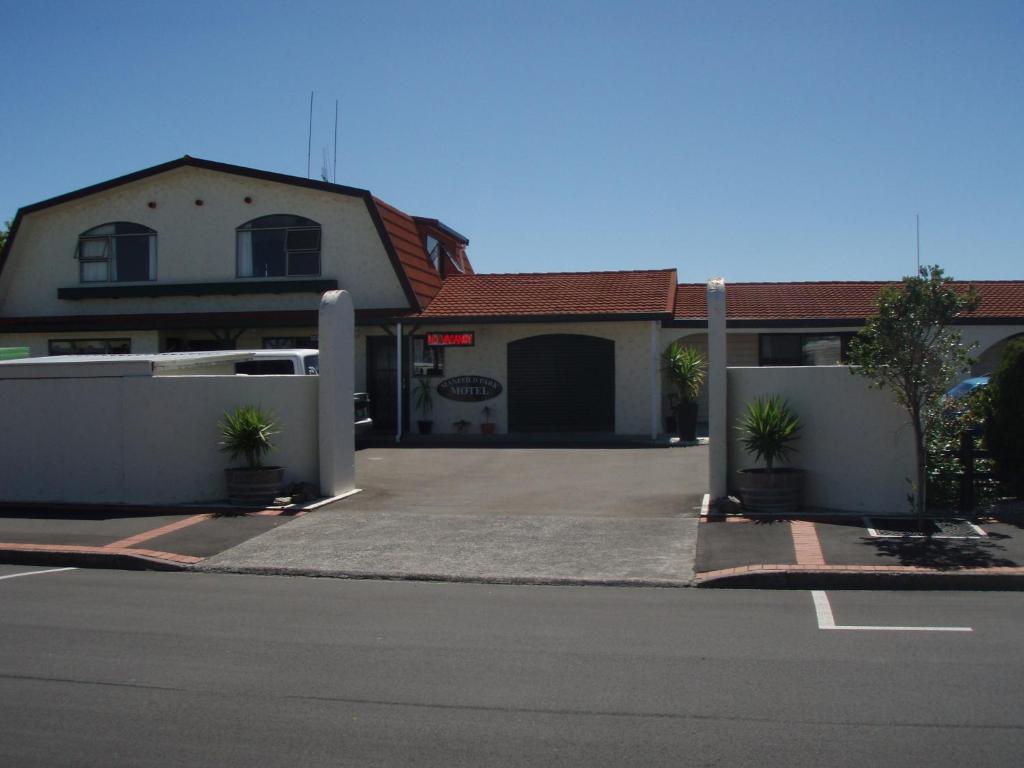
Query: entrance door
<point x="561" y="383"/>
<point x="381" y="371"/>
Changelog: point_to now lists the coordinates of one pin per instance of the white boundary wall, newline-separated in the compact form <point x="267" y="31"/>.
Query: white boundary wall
<point x="856" y="444"/>
<point x="140" y="439"/>
<point x="120" y="438"/>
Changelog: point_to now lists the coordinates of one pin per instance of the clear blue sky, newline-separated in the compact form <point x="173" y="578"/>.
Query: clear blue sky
<point x="758" y="141"/>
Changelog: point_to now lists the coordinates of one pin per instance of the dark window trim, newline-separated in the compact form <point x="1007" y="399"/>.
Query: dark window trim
<point x="437" y="370"/>
<point x="844" y="345"/>
<point x="110" y="256"/>
<point x="312" y="226"/>
<point x="235" y="288"/>
<point x="108" y="342"/>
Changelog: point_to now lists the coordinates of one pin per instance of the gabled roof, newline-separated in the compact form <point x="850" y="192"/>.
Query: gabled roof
<point x="636" y="294"/>
<point x="832" y="301"/>
<point x="397" y="230"/>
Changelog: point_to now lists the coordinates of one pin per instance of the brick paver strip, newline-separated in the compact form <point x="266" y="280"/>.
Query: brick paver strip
<point x="806" y="544"/>
<point x="138" y="538"/>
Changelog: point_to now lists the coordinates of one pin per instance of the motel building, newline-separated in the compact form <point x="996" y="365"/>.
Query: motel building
<point x="199" y="255"/>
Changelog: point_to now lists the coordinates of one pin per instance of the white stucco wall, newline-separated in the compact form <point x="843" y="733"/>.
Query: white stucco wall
<point x="141" y="440"/>
<point x="194" y="244"/>
<point x="856" y="445"/>
<point x="489" y="358"/>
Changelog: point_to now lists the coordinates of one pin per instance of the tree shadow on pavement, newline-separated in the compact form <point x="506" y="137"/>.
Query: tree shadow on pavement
<point x="942" y="554"/>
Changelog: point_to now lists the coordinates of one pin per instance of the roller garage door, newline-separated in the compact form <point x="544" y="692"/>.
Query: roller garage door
<point x="561" y="383"/>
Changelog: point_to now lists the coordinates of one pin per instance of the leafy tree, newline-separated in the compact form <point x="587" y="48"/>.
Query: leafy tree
<point x="1004" y="430"/>
<point x="3" y="233"/>
<point x="909" y="348"/>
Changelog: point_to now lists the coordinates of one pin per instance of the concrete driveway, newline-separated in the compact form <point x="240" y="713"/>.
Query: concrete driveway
<point x="531" y="515"/>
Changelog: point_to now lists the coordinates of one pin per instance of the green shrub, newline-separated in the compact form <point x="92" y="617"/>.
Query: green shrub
<point x="769" y="427"/>
<point x="943" y="443"/>
<point x="246" y="431"/>
<point x="686" y="368"/>
<point x="1004" y="426"/>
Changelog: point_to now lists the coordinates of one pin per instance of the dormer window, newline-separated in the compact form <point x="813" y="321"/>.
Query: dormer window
<point x="434" y="250"/>
<point x="438" y="252"/>
<point x="281" y="245"/>
<point x="119" y="252"/>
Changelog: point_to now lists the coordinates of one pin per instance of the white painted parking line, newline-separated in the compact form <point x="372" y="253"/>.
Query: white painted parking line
<point x="823" y="609"/>
<point x="35" y="573"/>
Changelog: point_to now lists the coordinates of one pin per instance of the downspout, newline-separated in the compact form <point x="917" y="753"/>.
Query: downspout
<point x="398" y="388"/>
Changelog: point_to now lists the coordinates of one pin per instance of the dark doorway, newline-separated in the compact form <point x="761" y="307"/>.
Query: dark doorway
<point x="381" y="372"/>
<point x="561" y="383"/>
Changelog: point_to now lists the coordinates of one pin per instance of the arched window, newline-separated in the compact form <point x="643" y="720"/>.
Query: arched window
<point x="118" y="252"/>
<point x="277" y="246"/>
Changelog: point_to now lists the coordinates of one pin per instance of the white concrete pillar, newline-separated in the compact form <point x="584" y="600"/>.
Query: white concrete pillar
<point x="336" y="384"/>
<point x="655" y="379"/>
<point x="718" y="428"/>
<point x="399" y="411"/>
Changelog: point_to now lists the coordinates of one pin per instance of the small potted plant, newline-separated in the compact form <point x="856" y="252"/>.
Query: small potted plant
<point x="424" y="400"/>
<point x="246" y="432"/>
<point x="768" y="429"/>
<point x="686" y="368"/>
<point x="460" y="426"/>
<point x="488" y="427"/>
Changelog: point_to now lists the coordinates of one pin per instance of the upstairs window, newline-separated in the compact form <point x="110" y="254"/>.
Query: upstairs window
<point x="281" y="245"/>
<point x="434" y="250"/>
<point x="119" y="252"/>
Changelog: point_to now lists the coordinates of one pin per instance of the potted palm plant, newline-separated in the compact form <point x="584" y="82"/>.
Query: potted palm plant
<point x="768" y="429"/>
<point x="487" y="426"/>
<point x="686" y="368"/>
<point x="424" y="401"/>
<point x="246" y="432"/>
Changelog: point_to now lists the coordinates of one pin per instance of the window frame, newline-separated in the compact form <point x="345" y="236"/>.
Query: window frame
<point x="802" y="338"/>
<point x="437" y="354"/>
<point x="107" y="341"/>
<point x="311" y="226"/>
<point x="109" y="257"/>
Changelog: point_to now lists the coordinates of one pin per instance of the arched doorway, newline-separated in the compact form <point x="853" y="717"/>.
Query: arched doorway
<point x="561" y="383"/>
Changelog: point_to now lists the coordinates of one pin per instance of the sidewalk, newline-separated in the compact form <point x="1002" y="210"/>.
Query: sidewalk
<point x="845" y="551"/>
<point x="113" y="536"/>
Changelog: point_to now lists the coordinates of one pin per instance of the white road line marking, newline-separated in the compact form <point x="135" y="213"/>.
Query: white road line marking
<point x="35" y="573"/>
<point x="823" y="610"/>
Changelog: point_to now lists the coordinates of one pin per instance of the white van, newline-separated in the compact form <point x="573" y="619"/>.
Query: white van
<point x="297" y="362"/>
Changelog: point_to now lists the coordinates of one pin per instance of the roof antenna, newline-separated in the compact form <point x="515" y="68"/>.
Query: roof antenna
<point x="309" y="141"/>
<point x="917" y="217"/>
<point x="324" y="167"/>
<point x="335" y="141"/>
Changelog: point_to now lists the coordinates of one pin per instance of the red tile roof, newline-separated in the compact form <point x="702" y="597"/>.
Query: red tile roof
<point x="412" y="252"/>
<point x="830" y="301"/>
<point x="552" y="294"/>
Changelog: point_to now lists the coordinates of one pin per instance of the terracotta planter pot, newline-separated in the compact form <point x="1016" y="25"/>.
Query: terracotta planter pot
<point x="254" y="487"/>
<point x="781" y="490"/>
<point x="488" y="428"/>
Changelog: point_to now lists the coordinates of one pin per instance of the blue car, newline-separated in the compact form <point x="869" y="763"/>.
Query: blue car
<point x="967" y="386"/>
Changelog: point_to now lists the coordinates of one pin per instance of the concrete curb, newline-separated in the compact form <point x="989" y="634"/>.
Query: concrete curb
<point x="865" y="578"/>
<point x="90" y="558"/>
<point x="549" y="581"/>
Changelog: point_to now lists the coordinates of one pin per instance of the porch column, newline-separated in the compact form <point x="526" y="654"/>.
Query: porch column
<point x="655" y="380"/>
<point x="398" y="383"/>
<point x="718" y="431"/>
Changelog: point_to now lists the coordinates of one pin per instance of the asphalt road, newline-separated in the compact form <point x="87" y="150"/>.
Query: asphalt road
<point x="112" y="668"/>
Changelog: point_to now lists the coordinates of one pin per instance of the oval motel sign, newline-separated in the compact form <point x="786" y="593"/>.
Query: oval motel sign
<point x="469" y="389"/>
